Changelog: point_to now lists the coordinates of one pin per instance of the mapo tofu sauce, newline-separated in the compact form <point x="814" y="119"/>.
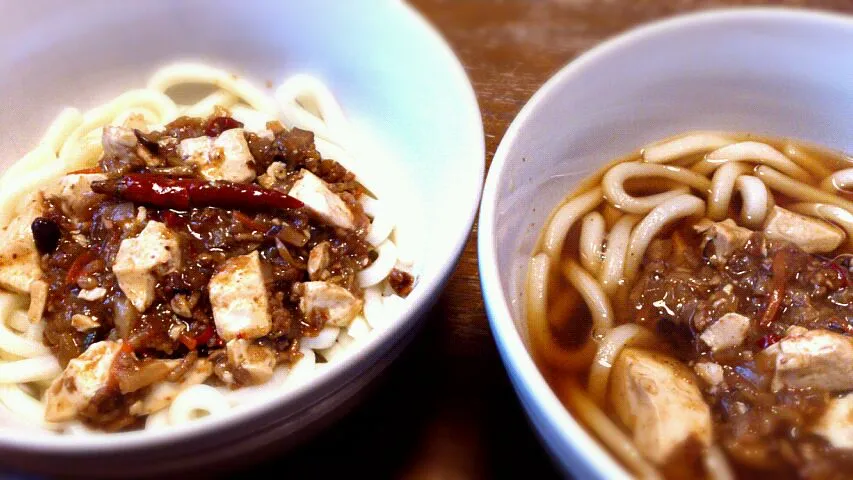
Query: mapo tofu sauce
<point x="766" y="327"/>
<point x="182" y="244"/>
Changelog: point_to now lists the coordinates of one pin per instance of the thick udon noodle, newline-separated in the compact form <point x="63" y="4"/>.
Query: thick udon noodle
<point x="73" y="142"/>
<point x="701" y="174"/>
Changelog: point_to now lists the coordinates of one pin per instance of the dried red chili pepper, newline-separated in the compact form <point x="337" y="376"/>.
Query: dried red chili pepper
<point x="183" y="194"/>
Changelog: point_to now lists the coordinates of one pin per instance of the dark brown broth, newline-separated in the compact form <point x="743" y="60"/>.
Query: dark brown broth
<point x="770" y="441"/>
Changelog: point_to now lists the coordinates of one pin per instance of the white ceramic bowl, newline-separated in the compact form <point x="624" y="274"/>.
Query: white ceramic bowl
<point x="774" y="71"/>
<point x="397" y="80"/>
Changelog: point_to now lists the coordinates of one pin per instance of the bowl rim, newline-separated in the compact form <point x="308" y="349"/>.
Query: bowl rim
<point x="538" y="398"/>
<point x="331" y="379"/>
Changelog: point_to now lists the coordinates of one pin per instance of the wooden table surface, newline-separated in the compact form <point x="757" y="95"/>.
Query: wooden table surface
<point x="446" y="409"/>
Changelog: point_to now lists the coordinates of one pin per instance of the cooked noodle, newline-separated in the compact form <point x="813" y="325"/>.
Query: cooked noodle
<point x="841" y="180"/>
<point x="664" y="214"/>
<point x="722" y="188"/>
<point x="196" y="402"/>
<point x="669" y="150"/>
<point x="806" y="160"/>
<point x="735" y="175"/>
<point x="73" y="142"/>
<point x="592" y="242"/>
<point x="751" y="152"/>
<point x="593" y="296"/>
<point x="614" y="185"/>
<point x="799" y="190"/>
<point x="566" y="216"/>
<point x="611" y="345"/>
<point x="608" y="432"/>
<point x="540" y="329"/>
<point x="757" y="201"/>
<point x="617" y="250"/>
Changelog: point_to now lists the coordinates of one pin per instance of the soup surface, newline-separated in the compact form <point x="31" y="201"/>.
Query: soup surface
<point x="690" y="304"/>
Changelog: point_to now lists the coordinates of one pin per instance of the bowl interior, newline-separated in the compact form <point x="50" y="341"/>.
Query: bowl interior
<point x="768" y="71"/>
<point x="57" y="55"/>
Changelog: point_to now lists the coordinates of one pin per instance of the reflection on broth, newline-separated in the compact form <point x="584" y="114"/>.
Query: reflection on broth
<point x="690" y="305"/>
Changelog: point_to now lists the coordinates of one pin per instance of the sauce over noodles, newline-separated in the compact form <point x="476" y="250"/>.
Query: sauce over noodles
<point x="691" y="305"/>
<point x="162" y="262"/>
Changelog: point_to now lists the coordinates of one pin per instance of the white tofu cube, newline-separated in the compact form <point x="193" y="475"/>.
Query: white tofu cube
<point x="318" y="260"/>
<point x="74" y="190"/>
<point x="239" y="298"/>
<point x="256" y="361"/>
<point x="82" y="379"/>
<point x="38" y="300"/>
<point x="333" y="302"/>
<point x="121" y="141"/>
<point x="118" y="140"/>
<point x="196" y="150"/>
<point x="712" y="373"/>
<point x="155" y="251"/>
<point x="19" y="258"/>
<point x="84" y="322"/>
<point x="326" y="204"/>
<point x="92" y="294"/>
<point x="836" y="423"/>
<point x="656" y="398"/>
<point x="815" y="358"/>
<point x="725" y="237"/>
<point x="727" y="332"/>
<point x="811" y="234"/>
<point x="226" y="157"/>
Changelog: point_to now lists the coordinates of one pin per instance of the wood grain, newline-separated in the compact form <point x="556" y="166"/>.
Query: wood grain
<point x="446" y="409"/>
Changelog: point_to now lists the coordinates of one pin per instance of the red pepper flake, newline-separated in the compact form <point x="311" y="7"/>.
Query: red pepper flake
<point x="201" y="339"/>
<point x="188" y="341"/>
<point x="77" y="267"/>
<point x="217" y="125"/>
<point x="767" y="340"/>
<point x="248" y="221"/>
<point x="126" y="348"/>
<point x="777" y="294"/>
<point x="204" y="336"/>
<point x="842" y="274"/>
